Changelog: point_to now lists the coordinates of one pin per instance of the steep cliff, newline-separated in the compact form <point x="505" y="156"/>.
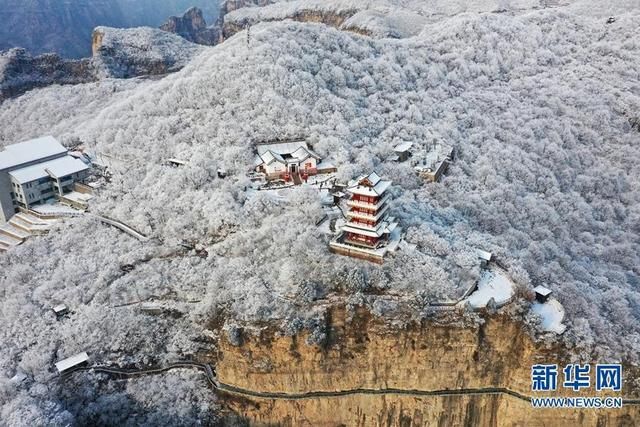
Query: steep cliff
<point x="419" y="365"/>
<point x="20" y="72"/>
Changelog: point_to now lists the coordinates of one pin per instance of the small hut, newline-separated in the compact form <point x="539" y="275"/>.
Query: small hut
<point x="403" y="151"/>
<point x="61" y="310"/>
<point x="542" y="294"/>
<point x="66" y="365"/>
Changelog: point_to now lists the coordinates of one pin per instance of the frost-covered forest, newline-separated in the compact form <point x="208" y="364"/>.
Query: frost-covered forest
<point x="539" y="104"/>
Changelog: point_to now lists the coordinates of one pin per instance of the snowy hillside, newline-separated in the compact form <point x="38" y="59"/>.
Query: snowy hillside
<point x="537" y="103"/>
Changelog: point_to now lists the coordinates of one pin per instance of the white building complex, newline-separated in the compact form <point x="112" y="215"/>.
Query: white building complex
<point x="34" y="171"/>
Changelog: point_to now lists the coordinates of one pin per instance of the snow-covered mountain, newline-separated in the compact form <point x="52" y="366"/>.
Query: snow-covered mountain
<point x="539" y="102"/>
<point x="117" y="53"/>
<point x="65" y="27"/>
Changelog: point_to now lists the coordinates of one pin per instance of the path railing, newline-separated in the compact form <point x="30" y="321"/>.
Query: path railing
<point x="123" y="227"/>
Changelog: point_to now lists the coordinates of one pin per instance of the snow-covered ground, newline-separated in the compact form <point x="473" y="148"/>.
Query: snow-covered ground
<point x="494" y="283"/>
<point x="552" y="315"/>
<point x="79" y="197"/>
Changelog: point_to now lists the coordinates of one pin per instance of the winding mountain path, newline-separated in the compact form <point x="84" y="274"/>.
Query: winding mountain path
<point x="242" y="392"/>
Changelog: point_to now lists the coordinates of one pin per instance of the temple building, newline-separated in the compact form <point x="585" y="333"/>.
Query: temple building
<point x="281" y="159"/>
<point x="289" y="160"/>
<point x="369" y="232"/>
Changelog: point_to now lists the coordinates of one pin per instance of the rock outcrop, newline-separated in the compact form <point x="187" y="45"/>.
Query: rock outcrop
<point x="193" y="27"/>
<point x="125" y="53"/>
<point x="421" y="362"/>
<point x="20" y="72"/>
<point x="117" y="53"/>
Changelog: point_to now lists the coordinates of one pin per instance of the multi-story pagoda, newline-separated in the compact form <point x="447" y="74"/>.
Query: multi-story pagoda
<point x="369" y="232"/>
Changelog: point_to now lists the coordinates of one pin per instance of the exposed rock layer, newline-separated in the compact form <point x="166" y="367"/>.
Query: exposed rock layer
<point x="364" y="353"/>
<point x="331" y="18"/>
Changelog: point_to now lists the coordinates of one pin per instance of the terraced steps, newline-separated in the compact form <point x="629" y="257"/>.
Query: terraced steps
<point x="30" y="224"/>
<point x="13" y="232"/>
<point x="8" y="241"/>
<point x="31" y="219"/>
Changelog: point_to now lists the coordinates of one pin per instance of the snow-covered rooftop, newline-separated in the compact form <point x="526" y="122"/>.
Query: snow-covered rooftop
<point x="65" y="166"/>
<point x="371" y="232"/>
<point x="374" y="191"/>
<point x="541" y="290"/>
<point x="484" y="255"/>
<point x="56" y="168"/>
<point x="30" y="151"/>
<point x="281" y="151"/>
<point x="269" y="157"/>
<point x="434" y="157"/>
<point x="72" y="361"/>
<point x="281" y="147"/>
<point x="404" y="147"/>
<point x="59" y="309"/>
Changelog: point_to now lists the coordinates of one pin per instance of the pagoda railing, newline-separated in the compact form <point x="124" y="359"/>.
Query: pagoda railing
<point x="366" y="205"/>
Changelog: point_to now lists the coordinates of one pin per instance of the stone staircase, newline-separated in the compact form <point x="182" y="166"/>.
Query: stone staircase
<point x="20" y="227"/>
<point x="31" y="223"/>
<point x="10" y="237"/>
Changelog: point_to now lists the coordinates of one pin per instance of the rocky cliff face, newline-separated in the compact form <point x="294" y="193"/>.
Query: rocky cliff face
<point x="193" y="27"/>
<point x="420" y="362"/>
<point x="20" y="72"/>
